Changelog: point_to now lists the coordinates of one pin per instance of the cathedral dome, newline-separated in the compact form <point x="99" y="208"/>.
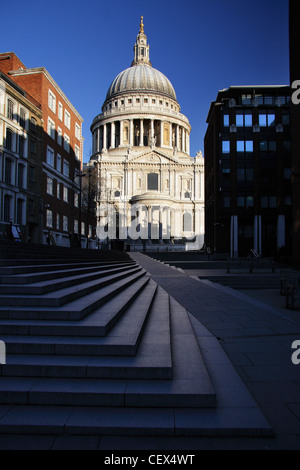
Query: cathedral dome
<point x="141" y="78"/>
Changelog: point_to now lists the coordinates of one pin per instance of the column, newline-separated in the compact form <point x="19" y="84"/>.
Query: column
<point x="170" y="136"/>
<point x="121" y="133"/>
<point x="234" y="236"/>
<point x="257" y="234"/>
<point x="161" y="134"/>
<point x="98" y="146"/>
<point x="141" y="132"/>
<point x="280" y="231"/>
<point x="177" y="136"/>
<point x="131" y="132"/>
<point x="112" y="135"/>
<point x="104" y="136"/>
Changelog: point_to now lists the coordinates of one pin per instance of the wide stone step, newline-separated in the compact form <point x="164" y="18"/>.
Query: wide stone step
<point x="118" y="324"/>
<point x="74" y="310"/>
<point x="45" y="274"/>
<point x="68" y="294"/>
<point x="17" y="268"/>
<point x="188" y="386"/>
<point x="153" y="360"/>
<point x="45" y="286"/>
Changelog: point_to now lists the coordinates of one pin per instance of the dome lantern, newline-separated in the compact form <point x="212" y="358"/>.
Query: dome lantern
<point x="141" y="48"/>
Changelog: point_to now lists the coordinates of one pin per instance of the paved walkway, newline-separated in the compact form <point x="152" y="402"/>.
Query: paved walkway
<point x="256" y="332"/>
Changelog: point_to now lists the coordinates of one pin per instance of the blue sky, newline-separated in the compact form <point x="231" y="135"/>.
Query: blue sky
<point x="201" y="46"/>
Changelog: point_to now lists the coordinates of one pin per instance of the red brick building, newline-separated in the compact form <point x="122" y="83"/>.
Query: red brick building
<point x="61" y="152"/>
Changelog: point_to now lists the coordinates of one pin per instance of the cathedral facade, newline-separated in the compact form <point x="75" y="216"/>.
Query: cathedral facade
<point x="150" y="190"/>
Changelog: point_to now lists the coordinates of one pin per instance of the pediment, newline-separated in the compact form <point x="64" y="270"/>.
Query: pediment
<point x="152" y="156"/>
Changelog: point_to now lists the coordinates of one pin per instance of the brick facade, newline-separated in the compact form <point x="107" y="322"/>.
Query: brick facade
<point x="61" y="150"/>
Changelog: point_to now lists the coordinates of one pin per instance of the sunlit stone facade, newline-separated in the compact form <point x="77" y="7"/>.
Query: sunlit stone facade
<point x="147" y="179"/>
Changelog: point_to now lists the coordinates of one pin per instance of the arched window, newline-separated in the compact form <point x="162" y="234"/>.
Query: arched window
<point x="152" y="181"/>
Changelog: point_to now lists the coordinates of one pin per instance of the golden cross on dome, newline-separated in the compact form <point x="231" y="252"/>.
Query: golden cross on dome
<point x="142" y="25"/>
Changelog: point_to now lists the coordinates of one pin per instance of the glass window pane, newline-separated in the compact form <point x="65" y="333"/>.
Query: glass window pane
<point x="249" y="145"/>
<point x="239" y="120"/>
<point x="225" y="146"/>
<point x="240" y="201"/>
<point x="226" y="120"/>
<point x="264" y="201"/>
<point x="240" y="174"/>
<point x="262" y="120"/>
<point x="263" y="146"/>
<point x="240" y="145"/>
<point x="271" y="119"/>
<point x="248" y="120"/>
<point x="272" y="145"/>
<point x="249" y="201"/>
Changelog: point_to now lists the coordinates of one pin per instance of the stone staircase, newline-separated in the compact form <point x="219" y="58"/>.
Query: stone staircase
<point x="97" y="347"/>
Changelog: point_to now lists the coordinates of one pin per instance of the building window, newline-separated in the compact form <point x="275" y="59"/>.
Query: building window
<point x="76" y="199"/>
<point x="225" y="146"/>
<point x="49" y="218"/>
<point x="266" y="119"/>
<point x="267" y="146"/>
<point x="21" y="174"/>
<point x="7" y="215"/>
<point x="268" y="202"/>
<point x="52" y="101"/>
<point x="50" y="156"/>
<point x="10" y="109"/>
<point x="20" y="205"/>
<point x="152" y="181"/>
<point x="83" y="228"/>
<point x="244" y="145"/>
<point x="246" y="99"/>
<point x="32" y="146"/>
<point x="58" y="162"/>
<point x="8" y="171"/>
<point x="59" y="136"/>
<point x="32" y="174"/>
<point x="244" y="120"/>
<point x="9" y="139"/>
<point x="77" y="131"/>
<point x="65" y="223"/>
<point x="31" y="206"/>
<point x="21" y="145"/>
<point x="58" y="190"/>
<point x="33" y="124"/>
<point x="51" y="128"/>
<point x="22" y="118"/>
<point x="49" y="186"/>
<point x="77" y="152"/>
<point x="67" y="119"/>
<point x="66" y="168"/>
<point x="60" y="111"/>
<point x="67" y="143"/>
<point x="75" y="226"/>
<point x="57" y="222"/>
<point x="226" y="120"/>
<point x="65" y="194"/>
